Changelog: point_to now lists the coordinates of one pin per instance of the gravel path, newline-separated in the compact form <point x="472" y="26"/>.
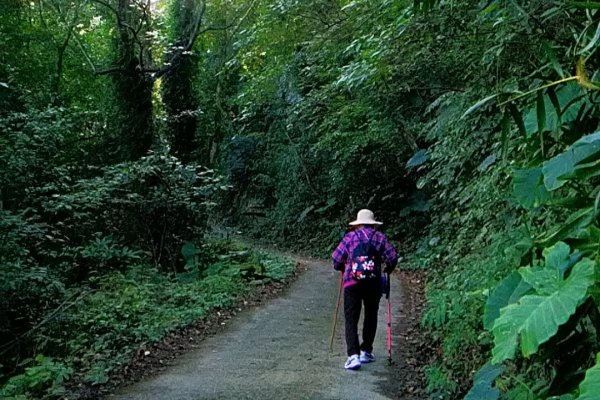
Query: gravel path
<point x="279" y="351"/>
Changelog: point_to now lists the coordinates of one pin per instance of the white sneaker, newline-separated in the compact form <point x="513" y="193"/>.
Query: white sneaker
<point x="366" y="357"/>
<point x="353" y="362"/>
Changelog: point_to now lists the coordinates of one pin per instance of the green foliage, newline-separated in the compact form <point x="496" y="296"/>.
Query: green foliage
<point x="135" y="202"/>
<point x="36" y="144"/>
<point x="535" y="318"/>
<point x="483" y="383"/>
<point x="42" y="380"/>
<point x="320" y="137"/>
<point x="590" y="387"/>
<point x="529" y="189"/>
<point x="577" y="162"/>
<point x="105" y="254"/>
<point x="509" y="291"/>
<point x="438" y="383"/>
<point x="257" y="266"/>
<point x="102" y="327"/>
<point x="481" y="155"/>
<point x="100" y="332"/>
<point x="548" y="156"/>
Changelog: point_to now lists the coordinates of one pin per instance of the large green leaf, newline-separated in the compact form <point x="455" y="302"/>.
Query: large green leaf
<point x="585" y="171"/>
<point x="536" y="318"/>
<point x="571" y="98"/>
<point x="508" y="291"/>
<point x="564" y="164"/>
<point x="545" y="281"/>
<point x="528" y="187"/>
<point x="558" y="258"/>
<point x="483" y="383"/>
<point x="556" y="255"/>
<point x="548" y="279"/>
<point x="543" y="117"/>
<point x="589" y="389"/>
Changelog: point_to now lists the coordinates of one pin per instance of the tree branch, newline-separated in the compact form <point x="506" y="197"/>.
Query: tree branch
<point x="195" y="34"/>
<point x="120" y="21"/>
<point x="157" y="73"/>
<point x="109" y="70"/>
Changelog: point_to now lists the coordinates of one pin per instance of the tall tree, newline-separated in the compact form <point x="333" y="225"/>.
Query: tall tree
<point x="199" y="82"/>
<point x="134" y="73"/>
<point x="177" y="88"/>
<point x="132" y="84"/>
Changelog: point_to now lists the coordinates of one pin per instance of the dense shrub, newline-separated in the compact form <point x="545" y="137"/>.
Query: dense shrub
<point x="77" y="230"/>
<point x="158" y="203"/>
<point x="97" y="329"/>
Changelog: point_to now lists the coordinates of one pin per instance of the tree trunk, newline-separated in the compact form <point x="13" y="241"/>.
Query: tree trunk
<point x="178" y="94"/>
<point x="60" y="62"/>
<point x="133" y="88"/>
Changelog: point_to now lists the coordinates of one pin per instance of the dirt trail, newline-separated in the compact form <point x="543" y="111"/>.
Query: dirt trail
<point x="280" y="351"/>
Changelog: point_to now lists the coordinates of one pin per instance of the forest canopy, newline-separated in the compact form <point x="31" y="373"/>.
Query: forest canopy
<point x="132" y="129"/>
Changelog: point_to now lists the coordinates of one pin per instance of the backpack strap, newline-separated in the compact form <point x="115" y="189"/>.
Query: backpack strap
<point x="379" y="257"/>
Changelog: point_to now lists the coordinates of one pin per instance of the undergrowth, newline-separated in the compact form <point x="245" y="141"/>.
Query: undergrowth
<point x="97" y="329"/>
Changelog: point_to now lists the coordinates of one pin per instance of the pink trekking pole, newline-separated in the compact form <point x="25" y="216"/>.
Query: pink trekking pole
<point x="389" y="319"/>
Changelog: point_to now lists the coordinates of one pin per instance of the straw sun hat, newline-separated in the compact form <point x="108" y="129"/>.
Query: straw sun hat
<point x="365" y="217"/>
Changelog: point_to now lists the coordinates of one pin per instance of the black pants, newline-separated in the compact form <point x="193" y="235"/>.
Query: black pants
<point x="369" y="293"/>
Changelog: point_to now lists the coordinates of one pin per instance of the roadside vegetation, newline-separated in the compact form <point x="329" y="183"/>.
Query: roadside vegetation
<point x="130" y="129"/>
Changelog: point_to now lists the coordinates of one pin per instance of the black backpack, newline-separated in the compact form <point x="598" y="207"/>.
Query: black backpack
<point x="365" y="263"/>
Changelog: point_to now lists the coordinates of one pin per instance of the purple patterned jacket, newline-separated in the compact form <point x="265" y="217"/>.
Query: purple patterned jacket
<point x="341" y="259"/>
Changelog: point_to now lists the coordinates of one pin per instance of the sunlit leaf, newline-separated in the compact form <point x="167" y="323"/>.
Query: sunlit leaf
<point x="564" y="164"/>
<point x="536" y="318"/>
<point x="508" y="291"/>
<point x="589" y="389"/>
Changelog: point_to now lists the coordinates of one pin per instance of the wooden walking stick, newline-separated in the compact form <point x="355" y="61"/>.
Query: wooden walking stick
<point x="335" y="314"/>
<point x="389" y="319"/>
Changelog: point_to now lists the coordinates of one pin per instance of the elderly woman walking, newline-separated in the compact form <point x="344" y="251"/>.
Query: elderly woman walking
<point x="360" y="256"/>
